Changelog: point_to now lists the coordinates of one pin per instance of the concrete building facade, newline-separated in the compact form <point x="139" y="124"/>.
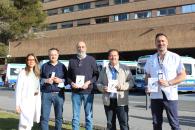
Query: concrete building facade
<point x="128" y="25"/>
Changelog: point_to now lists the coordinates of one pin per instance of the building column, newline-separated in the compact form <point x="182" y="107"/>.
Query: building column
<point x="111" y="2"/>
<point x="92" y="21"/>
<point x="92" y="6"/>
<point x="60" y="11"/>
<point x="111" y="19"/>
<point x="154" y="13"/>
<point x="178" y="10"/>
<point x="74" y="23"/>
<point x="75" y="8"/>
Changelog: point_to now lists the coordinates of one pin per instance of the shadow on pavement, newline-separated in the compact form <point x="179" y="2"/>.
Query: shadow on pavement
<point x="184" y="120"/>
<point x="190" y="95"/>
<point x="6" y="88"/>
<point x="141" y="117"/>
<point x="140" y="106"/>
<point x="187" y="120"/>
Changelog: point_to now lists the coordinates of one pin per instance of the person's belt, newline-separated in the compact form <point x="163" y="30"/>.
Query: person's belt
<point x="36" y="93"/>
<point x="55" y="92"/>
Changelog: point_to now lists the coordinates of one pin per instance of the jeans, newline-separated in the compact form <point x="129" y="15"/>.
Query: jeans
<point x="121" y="112"/>
<point x="57" y="99"/>
<point x="157" y="106"/>
<point x="87" y="99"/>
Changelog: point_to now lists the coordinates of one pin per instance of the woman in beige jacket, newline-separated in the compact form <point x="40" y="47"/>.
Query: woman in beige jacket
<point x="115" y="103"/>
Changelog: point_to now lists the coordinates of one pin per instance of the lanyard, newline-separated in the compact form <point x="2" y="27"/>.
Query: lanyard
<point x="161" y="68"/>
<point x="160" y="62"/>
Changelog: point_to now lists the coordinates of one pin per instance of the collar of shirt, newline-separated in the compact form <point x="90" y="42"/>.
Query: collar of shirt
<point x="52" y="64"/>
<point x="114" y="71"/>
<point x="159" y="59"/>
<point x="116" y="67"/>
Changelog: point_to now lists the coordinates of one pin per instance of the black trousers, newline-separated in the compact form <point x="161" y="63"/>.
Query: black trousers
<point x="171" y="108"/>
<point x="120" y="111"/>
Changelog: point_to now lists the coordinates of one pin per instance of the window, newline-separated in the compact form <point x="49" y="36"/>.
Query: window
<point x="68" y="9"/>
<point x="52" y="12"/>
<point x="142" y="15"/>
<point x="140" y="68"/>
<point x="133" y="71"/>
<point x="138" y="0"/>
<point x="52" y="26"/>
<point x="45" y="1"/>
<point x="35" y="29"/>
<point x="102" y="20"/>
<point x="101" y="3"/>
<point x="83" y="22"/>
<point x="84" y="6"/>
<point x="121" y="17"/>
<point x="166" y="11"/>
<point x="188" y="8"/>
<point x="188" y="68"/>
<point x="2" y="61"/>
<point x="120" y="1"/>
<point x="68" y="24"/>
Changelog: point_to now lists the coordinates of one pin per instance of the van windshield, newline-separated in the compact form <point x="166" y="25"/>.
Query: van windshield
<point x="99" y="67"/>
<point x="14" y="71"/>
<point x="140" y="68"/>
<point x="141" y="64"/>
<point x="188" y="68"/>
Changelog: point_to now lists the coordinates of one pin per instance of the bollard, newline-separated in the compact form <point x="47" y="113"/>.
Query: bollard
<point x="147" y="101"/>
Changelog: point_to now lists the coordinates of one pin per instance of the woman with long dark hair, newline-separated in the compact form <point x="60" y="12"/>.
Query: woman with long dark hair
<point x="28" y="99"/>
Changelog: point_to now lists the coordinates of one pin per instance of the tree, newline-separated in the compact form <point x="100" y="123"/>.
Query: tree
<point x="17" y="17"/>
<point x="3" y="50"/>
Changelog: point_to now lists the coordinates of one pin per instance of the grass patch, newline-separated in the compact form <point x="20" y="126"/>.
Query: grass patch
<point x="9" y="121"/>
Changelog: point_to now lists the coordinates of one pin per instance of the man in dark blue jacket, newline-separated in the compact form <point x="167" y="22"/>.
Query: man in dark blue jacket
<point x="82" y="73"/>
<point x="53" y="77"/>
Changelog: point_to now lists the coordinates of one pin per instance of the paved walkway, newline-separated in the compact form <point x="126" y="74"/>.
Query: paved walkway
<point x="140" y="119"/>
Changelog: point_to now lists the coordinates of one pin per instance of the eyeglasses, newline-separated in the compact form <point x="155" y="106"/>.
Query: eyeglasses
<point x="30" y="59"/>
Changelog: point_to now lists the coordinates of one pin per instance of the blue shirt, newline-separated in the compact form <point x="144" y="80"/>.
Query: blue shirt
<point x="114" y="77"/>
<point x="113" y="72"/>
<point x="46" y="71"/>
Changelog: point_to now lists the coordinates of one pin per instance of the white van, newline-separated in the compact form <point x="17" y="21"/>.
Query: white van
<point x="103" y="63"/>
<point x="65" y="62"/>
<point x="131" y="64"/>
<point x="12" y="72"/>
<point x="187" y="85"/>
<point x="140" y="74"/>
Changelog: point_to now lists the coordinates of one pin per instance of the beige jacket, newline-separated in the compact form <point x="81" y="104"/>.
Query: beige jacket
<point x="125" y="80"/>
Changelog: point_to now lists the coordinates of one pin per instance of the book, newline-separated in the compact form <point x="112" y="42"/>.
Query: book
<point x="153" y="84"/>
<point x="53" y="74"/>
<point x="80" y="80"/>
<point x="112" y="86"/>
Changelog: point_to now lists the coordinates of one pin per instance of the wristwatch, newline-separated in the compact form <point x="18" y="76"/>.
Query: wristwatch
<point x="170" y="84"/>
